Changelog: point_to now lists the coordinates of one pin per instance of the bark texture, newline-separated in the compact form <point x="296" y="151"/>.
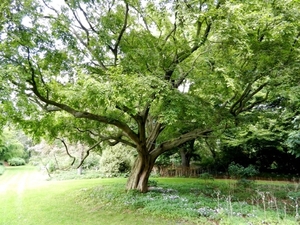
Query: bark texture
<point x="140" y="173"/>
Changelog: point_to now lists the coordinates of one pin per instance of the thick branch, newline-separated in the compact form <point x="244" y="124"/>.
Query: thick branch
<point x="249" y="107"/>
<point x="168" y="145"/>
<point x="240" y="105"/>
<point x="157" y="129"/>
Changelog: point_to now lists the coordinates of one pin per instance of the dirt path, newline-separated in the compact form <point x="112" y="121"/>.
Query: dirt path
<point x="17" y="179"/>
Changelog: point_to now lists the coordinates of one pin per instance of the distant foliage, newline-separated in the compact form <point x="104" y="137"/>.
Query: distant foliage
<point x="206" y="176"/>
<point x="242" y="174"/>
<point x="2" y="168"/>
<point x="116" y="160"/>
<point x="293" y="143"/>
<point x="16" y="162"/>
<point x="239" y="172"/>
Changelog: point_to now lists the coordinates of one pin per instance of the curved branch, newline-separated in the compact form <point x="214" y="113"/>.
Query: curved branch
<point x="80" y="23"/>
<point x="77" y="113"/>
<point x="67" y="150"/>
<point x="88" y="152"/>
<point x="240" y="105"/>
<point x="117" y="139"/>
<point x="86" y="18"/>
<point x="116" y="45"/>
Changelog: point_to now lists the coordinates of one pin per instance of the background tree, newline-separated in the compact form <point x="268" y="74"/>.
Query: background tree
<point x="11" y="145"/>
<point x="111" y="71"/>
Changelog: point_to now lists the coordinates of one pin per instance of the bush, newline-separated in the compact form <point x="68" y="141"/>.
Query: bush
<point x="116" y="160"/>
<point x="206" y="176"/>
<point x="2" y="169"/>
<point x="16" y="162"/>
<point x="239" y="172"/>
<point x="242" y="174"/>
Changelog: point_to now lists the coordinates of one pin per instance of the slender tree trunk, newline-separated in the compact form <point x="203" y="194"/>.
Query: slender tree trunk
<point x="80" y="169"/>
<point x="138" y="179"/>
<point x="56" y="162"/>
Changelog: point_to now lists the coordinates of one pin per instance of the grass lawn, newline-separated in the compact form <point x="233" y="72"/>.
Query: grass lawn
<point x="27" y="198"/>
<point x="60" y="202"/>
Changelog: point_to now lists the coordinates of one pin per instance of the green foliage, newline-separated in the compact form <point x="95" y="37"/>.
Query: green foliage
<point x="239" y="172"/>
<point x="116" y="160"/>
<point x="11" y="144"/>
<point x="152" y="183"/>
<point x="73" y="175"/>
<point x="293" y="139"/>
<point x="206" y="176"/>
<point x="16" y="162"/>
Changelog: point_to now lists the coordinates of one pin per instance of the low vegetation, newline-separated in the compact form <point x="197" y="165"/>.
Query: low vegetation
<point x="205" y="202"/>
<point x="16" y="161"/>
<point x="2" y="168"/>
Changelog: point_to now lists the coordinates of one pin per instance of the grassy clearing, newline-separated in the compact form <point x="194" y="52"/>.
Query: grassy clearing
<point x="64" y="202"/>
<point x="181" y="201"/>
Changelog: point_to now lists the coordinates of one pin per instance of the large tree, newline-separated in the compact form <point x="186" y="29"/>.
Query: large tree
<point x="115" y="71"/>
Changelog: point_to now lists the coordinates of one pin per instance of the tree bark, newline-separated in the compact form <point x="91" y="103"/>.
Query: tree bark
<point x="185" y="158"/>
<point x="140" y="173"/>
<point x="186" y="151"/>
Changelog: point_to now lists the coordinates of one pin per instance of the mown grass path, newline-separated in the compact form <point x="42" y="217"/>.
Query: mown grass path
<point x="17" y="179"/>
<point x="13" y="183"/>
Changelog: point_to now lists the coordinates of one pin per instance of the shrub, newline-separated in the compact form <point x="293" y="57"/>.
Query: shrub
<point x="16" y="162"/>
<point x="2" y="169"/>
<point x="206" y="176"/>
<point x="116" y="160"/>
<point x="242" y="174"/>
<point x="239" y="172"/>
<point x="152" y="183"/>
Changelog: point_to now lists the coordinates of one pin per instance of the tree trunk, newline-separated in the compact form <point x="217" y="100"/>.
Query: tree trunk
<point x="185" y="158"/>
<point x="80" y="169"/>
<point x="138" y="179"/>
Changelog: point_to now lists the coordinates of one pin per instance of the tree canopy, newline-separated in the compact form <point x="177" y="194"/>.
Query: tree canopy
<point x="115" y="71"/>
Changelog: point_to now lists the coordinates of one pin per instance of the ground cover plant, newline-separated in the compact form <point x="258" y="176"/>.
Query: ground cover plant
<point x="28" y="198"/>
<point x="217" y="202"/>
